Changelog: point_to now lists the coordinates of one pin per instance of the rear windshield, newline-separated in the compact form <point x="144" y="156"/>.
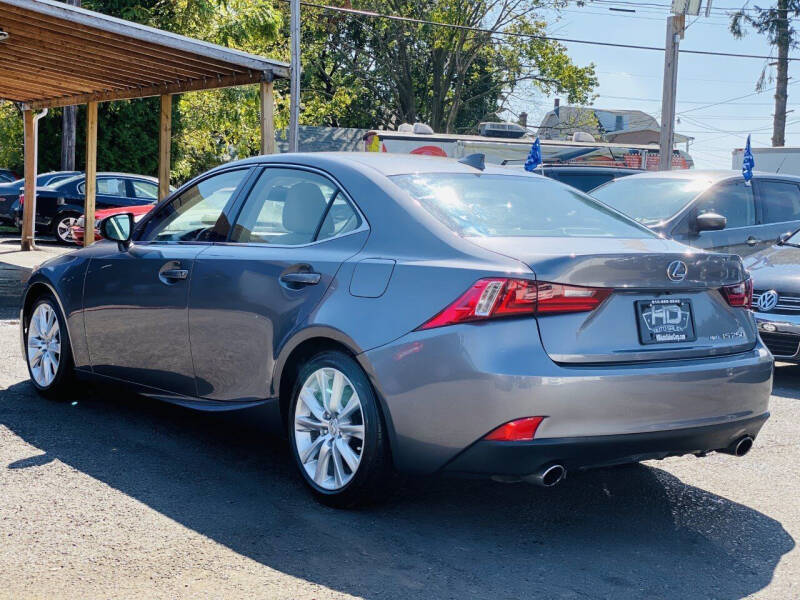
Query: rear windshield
<point x="514" y="205"/>
<point x="650" y="200"/>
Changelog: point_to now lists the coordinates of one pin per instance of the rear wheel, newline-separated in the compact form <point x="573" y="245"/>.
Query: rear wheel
<point x="62" y="227"/>
<point x="337" y="435"/>
<point x="47" y="348"/>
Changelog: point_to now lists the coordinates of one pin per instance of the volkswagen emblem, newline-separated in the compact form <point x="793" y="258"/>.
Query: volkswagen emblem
<point x="767" y="301"/>
<point x="677" y="270"/>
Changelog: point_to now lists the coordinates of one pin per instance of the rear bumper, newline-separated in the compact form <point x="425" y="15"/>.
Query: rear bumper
<point x="525" y="458"/>
<point x="444" y="389"/>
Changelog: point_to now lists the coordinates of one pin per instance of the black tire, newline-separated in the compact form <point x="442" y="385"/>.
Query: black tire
<point x="62" y="383"/>
<point x="69" y="240"/>
<point x="375" y="473"/>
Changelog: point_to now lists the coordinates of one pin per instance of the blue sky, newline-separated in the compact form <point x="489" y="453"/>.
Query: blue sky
<point x="631" y="79"/>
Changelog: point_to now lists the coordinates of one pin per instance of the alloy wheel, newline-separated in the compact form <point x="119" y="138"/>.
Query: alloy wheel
<point x="44" y="345"/>
<point x="64" y="229"/>
<point x="329" y="428"/>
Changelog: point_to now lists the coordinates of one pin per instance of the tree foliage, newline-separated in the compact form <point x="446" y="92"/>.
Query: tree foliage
<point x="369" y="72"/>
<point x="776" y="24"/>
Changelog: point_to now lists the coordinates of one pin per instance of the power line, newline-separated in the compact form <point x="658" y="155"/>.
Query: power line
<point x="375" y="15"/>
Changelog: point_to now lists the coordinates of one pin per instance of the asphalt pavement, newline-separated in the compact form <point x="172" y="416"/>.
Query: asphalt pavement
<point x="112" y="495"/>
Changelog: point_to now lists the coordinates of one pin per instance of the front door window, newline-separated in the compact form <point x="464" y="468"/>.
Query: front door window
<point x="197" y="215"/>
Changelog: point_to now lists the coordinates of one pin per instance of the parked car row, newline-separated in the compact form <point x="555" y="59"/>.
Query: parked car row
<point x="11" y="191"/>
<point x="60" y="199"/>
<point x="416" y="314"/>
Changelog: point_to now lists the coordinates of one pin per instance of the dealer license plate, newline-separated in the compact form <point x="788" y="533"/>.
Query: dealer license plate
<point x="665" y="320"/>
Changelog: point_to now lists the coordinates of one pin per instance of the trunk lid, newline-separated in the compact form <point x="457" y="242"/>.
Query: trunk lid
<point x="636" y="269"/>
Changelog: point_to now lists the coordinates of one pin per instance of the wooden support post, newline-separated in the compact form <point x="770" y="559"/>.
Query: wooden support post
<point x="164" y="145"/>
<point x="29" y="190"/>
<point x="91" y="172"/>
<point x="267" y="118"/>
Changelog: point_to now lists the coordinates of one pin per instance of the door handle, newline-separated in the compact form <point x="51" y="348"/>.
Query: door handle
<point x="171" y="273"/>
<point x="751" y="241"/>
<point x="175" y="274"/>
<point x="301" y="278"/>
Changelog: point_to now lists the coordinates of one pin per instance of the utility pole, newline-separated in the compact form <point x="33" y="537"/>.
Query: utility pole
<point x="781" y="85"/>
<point x="675" y="25"/>
<point x="294" y="108"/>
<point x="69" y="118"/>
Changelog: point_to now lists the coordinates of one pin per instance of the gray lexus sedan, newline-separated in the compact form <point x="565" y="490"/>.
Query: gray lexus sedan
<point x="413" y="314"/>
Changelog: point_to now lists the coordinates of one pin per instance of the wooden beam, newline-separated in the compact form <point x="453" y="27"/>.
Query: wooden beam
<point x="267" y="115"/>
<point x="63" y="16"/>
<point x="91" y="172"/>
<point x="178" y="87"/>
<point x="29" y="189"/>
<point x="164" y="145"/>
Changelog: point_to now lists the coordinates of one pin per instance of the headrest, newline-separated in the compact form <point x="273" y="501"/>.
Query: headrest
<point x="303" y="208"/>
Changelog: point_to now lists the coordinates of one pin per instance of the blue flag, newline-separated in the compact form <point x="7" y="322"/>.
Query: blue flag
<point x="535" y="157"/>
<point x="748" y="162"/>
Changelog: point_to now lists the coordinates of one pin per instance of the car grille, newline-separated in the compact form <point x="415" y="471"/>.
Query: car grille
<point x="787" y="305"/>
<point x="781" y="344"/>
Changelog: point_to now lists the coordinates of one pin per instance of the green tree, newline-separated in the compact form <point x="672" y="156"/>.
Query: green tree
<point x="776" y="24"/>
<point x="367" y="72"/>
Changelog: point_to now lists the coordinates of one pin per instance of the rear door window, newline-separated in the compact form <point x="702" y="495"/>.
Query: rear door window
<point x="145" y="189"/>
<point x="291" y="207"/>
<point x="733" y="200"/>
<point x="780" y="201"/>
<point x="107" y="186"/>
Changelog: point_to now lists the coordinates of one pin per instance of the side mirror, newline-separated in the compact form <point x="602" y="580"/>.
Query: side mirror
<point x="118" y="228"/>
<point x="709" y="221"/>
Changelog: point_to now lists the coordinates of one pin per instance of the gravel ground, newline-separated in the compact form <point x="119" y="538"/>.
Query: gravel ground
<point x="112" y="495"/>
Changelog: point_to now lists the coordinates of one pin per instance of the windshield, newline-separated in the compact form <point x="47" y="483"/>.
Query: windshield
<point x="513" y="205"/>
<point x="650" y="200"/>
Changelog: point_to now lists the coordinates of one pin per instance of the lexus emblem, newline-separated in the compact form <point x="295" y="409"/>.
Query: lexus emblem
<point x="677" y="270"/>
<point x="767" y="301"/>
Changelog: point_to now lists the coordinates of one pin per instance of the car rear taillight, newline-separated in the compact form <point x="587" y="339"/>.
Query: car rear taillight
<point x="739" y="294"/>
<point x="504" y="297"/>
<point x="21" y="199"/>
<point x="519" y="430"/>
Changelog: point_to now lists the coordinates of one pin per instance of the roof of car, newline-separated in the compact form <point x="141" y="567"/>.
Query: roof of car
<point x="589" y="170"/>
<point x="386" y="163"/>
<point x="80" y="176"/>
<point x="710" y="174"/>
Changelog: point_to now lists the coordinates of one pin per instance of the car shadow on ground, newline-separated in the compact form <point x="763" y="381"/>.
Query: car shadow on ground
<point x="629" y="532"/>
<point x="786" y="382"/>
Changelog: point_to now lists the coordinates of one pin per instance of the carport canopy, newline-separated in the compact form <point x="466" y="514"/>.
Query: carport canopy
<point x="57" y="55"/>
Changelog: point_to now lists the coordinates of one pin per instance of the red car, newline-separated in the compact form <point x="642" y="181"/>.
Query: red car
<point x="137" y="211"/>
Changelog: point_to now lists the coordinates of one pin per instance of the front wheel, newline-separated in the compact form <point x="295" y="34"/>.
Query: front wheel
<point x="337" y="435"/>
<point x="47" y="348"/>
<point x="62" y="228"/>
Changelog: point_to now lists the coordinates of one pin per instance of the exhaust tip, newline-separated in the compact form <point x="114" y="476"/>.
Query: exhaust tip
<point x="553" y="475"/>
<point x="743" y="446"/>
<point x="548" y="477"/>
